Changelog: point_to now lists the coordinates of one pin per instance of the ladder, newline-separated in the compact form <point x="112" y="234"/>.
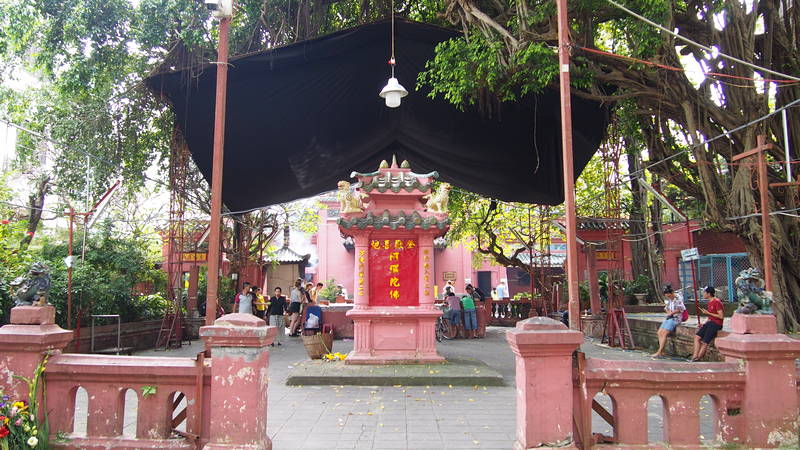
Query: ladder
<point x="617" y="331"/>
<point x="171" y="331"/>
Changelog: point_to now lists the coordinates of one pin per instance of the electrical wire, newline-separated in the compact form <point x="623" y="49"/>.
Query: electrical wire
<point x="784" y="212"/>
<point x="680" y="69"/>
<point x="727" y="133"/>
<point x="699" y="45"/>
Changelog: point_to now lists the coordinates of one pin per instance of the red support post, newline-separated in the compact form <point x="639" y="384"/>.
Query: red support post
<point x="214" y="254"/>
<point x="69" y="269"/>
<point x="763" y="189"/>
<point x="568" y="167"/>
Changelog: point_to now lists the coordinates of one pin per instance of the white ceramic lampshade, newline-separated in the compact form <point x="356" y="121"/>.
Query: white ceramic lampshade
<point x="393" y="92"/>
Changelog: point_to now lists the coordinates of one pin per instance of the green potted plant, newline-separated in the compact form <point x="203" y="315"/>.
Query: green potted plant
<point x="638" y="288"/>
<point x="328" y="292"/>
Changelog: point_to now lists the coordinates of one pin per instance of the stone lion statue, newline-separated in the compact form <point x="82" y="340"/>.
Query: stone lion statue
<point x="753" y="299"/>
<point x="350" y="199"/>
<point x="32" y="288"/>
<point x="437" y="200"/>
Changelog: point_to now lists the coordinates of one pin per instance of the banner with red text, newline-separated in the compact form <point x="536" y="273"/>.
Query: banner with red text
<point x="393" y="272"/>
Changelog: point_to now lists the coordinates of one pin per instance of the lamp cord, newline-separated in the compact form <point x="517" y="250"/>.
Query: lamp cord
<point x="392" y="61"/>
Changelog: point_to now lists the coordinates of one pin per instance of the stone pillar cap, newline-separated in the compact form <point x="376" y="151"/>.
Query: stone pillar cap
<point x="33" y="315"/>
<point x="239" y="320"/>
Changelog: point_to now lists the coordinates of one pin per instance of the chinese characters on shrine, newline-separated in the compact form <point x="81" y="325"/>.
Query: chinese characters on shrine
<point x="426" y="272"/>
<point x="362" y="254"/>
<point x="393" y="272"/>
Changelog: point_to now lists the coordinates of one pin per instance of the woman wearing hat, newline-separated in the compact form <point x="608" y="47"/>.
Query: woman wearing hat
<point x="674" y="309"/>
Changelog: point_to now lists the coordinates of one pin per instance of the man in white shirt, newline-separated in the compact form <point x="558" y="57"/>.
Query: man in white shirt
<point x="502" y="290"/>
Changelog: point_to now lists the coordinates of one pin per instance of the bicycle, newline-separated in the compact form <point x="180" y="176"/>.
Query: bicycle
<point x="444" y="330"/>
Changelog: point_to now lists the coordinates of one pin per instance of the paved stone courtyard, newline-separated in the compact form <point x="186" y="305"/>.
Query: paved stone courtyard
<point x="405" y="417"/>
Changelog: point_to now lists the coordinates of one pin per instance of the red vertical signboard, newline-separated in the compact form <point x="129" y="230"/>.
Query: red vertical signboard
<point x="393" y="272"/>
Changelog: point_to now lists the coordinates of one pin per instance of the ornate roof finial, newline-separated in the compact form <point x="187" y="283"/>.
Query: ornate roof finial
<point x="394" y="161"/>
<point x="405" y="165"/>
<point x="383" y="165"/>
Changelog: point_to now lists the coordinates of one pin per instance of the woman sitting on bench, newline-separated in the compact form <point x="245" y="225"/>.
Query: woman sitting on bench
<point x="675" y="312"/>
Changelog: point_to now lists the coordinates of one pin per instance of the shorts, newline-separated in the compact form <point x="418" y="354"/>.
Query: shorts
<point x="670" y="324"/>
<point x="454" y="316"/>
<point x="294" y="308"/>
<point x="708" y="331"/>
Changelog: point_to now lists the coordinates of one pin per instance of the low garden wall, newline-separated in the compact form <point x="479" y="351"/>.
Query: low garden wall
<point x="681" y="343"/>
<point x="137" y="335"/>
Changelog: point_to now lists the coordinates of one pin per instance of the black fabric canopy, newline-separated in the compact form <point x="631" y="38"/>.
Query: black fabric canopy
<point x="302" y="117"/>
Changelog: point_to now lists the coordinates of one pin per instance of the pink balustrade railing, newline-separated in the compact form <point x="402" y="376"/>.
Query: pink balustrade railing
<point x="754" y="394"/>
<point x="167" y="398"/>
<point x="680" y="386"/>
<point x="179" y="403"/>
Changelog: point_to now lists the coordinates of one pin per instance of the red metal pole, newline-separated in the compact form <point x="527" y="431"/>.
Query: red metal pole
<point x="69" y="269"/>
<point x="214" y="254"/>
<point x="763" y="187"/>
<point x="567" y="166"/>
<point x="694" y="274"/>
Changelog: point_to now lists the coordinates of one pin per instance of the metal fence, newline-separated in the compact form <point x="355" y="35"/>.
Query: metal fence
<point x="718" y="270"/>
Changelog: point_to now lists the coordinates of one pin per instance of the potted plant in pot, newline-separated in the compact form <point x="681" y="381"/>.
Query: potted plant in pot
<point x="328" y="292"/>
<point x="639" y="289"/>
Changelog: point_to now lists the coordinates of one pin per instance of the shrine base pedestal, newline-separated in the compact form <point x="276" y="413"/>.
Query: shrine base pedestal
<point x="394" y="335"/>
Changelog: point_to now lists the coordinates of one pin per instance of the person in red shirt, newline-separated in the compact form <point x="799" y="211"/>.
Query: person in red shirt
<point x="709" y="330"/>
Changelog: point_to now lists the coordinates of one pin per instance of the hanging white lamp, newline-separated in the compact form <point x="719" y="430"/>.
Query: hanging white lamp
<point x="393" y="92"/>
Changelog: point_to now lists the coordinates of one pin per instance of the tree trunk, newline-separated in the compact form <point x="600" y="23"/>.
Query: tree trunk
<point x="640" y="245"/>
<point x="35" y="203"/>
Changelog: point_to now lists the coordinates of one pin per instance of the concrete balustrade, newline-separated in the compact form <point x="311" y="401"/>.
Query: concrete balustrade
<point x="220" y="409"/>
<point x="630" y="384"/>
<point x="106" y="380"/>
<point x="754" y="394"/>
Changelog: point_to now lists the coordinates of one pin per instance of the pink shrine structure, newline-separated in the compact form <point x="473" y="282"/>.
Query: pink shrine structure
<point x="393" y="228"/>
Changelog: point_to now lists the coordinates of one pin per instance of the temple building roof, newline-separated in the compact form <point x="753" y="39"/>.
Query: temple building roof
<point x="286" y="255"/>
<point x="394" y="221"/>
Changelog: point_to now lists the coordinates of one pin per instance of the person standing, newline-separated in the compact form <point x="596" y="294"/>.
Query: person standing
<point x="449" y="289"/>
<point x="502" y="289"/>
<point x="296" y="298"/>
<point x="453" y="313"/>
<point x="674" y="309"/>
<point x="709" y="330"/>
<point x="260" y="303"/>
<point x="276" y="311"/>
<point x="480" y="310"/>
<point x="317" y="291"/>
<point x="310" y="294"/>
<point x="470" y="316"/>
<point x="244" y="300"/>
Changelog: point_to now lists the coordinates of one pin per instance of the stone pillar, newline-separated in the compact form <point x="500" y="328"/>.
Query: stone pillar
<point x="769" y="400"/>
<point x="361" y="272"/>
<point x="194" y="279"/>
<point x="543" y="349"/>
<point x="239" y="346"/>
<point x="24" y="342"/>
<point x="594" y="286"/>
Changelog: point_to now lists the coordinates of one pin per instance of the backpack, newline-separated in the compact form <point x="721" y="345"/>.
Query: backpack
<point x="480" y="293"/>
